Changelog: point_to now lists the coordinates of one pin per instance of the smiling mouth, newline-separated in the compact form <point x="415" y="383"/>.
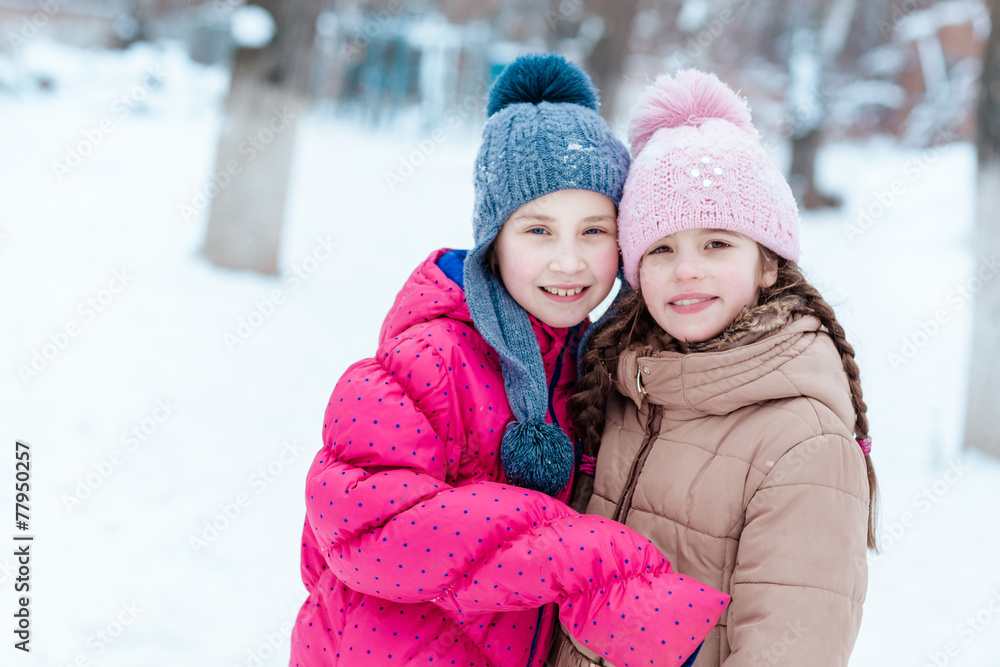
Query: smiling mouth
<point x="564" y="292"/>
<point x="691" y="302"/>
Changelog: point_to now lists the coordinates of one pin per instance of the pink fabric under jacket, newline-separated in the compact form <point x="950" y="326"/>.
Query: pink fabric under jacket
<point x="416" y="552"/>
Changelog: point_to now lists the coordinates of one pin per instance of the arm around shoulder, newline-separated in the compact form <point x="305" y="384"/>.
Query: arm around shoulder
<point x="390" y="525"/>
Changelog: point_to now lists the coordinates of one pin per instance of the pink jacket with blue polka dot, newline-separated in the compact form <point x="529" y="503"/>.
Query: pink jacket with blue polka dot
<point x="416" y="552"/>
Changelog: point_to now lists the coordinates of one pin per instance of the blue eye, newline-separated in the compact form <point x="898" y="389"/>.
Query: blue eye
<point x="537" y="231"/>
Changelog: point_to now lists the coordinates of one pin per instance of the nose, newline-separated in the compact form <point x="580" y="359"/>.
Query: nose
<point x="687" y="267"/>
<point x="568" y="258"/>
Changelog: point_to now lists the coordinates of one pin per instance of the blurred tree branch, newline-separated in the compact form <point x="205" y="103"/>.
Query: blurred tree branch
<point x="606" y="63"/>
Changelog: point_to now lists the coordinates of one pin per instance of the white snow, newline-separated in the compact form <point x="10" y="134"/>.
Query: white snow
<point x="692" y="15"/>
<point x="251" y="26"/>
<point x="146" y="403"/>
<point x="916" y="22"/>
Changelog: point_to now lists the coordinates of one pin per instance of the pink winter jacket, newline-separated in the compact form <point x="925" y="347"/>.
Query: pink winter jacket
<point x="416" y="551"/>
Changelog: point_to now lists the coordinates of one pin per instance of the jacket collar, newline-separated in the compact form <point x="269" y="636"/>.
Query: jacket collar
<point x="796" y="359"/>
<point x="429" y="294"/>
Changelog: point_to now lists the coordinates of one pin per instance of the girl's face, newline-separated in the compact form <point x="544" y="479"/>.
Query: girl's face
<point x="558" y="255"/>
<point x="696" y="281"/>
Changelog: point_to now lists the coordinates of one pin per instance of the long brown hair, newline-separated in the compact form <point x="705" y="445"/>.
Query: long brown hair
<point x="632" y="324"/>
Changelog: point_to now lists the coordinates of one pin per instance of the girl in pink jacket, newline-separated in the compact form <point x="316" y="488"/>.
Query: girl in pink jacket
<point x="436" y="531"/>
<point x="723" y="395"/>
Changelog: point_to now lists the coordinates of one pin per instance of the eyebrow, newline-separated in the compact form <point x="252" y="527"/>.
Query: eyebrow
<point x="541" y="217"/>
<point x="535" y="216"/>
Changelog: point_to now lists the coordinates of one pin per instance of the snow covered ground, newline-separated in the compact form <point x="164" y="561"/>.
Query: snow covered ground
<point x="148" y="424"/>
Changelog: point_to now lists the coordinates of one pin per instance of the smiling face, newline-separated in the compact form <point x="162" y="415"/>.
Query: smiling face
<point x="696" y="281"/>
<point x="558" y="255"/>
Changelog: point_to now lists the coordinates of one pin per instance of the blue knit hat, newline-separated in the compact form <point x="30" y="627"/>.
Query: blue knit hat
<point x="542" y="134"/>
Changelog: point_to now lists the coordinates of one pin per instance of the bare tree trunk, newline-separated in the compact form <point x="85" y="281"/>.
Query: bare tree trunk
<point x="606" y="63"/>
<point x="266" y="95"/>
<point x="819" y="34"/>
<point x="982" y="426"/>
<point x="802" y="173"/>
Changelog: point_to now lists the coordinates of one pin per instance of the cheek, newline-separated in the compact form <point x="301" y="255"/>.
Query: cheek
<point x="514" y="271"/>
<point x="651" y="284"/>
<point x="604" y="262"/>
<point x="510" y="256"/>
<point x="740" y="282"/>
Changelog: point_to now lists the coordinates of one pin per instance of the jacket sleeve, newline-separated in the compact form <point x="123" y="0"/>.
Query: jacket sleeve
<point x="389" y="525"/>
<point x="801" y="567"/>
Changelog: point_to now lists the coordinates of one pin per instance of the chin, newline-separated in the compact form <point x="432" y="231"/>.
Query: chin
<point x="563" y="321"/>
<point x="697" y="336"/>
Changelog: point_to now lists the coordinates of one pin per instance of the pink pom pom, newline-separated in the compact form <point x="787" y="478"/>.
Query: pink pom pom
<point x="691" y="98"/>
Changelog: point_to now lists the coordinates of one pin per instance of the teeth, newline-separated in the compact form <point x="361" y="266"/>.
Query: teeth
<point x="563" y="292"/>
<point x="690" y="302"/>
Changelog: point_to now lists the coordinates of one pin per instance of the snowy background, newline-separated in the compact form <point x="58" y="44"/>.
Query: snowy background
<point x="146" y="426"/>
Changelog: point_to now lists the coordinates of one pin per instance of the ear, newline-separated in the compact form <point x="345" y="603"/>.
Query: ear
<point x="769" y="270"/>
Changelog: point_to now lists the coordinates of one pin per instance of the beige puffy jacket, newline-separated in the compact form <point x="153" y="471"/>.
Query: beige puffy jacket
<point x="752" y="482"/>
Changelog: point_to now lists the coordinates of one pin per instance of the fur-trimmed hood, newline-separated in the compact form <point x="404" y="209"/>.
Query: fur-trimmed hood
<point x="771" y="352"/>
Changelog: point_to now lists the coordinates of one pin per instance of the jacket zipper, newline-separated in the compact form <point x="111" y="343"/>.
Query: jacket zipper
<point x="652" y="433"/>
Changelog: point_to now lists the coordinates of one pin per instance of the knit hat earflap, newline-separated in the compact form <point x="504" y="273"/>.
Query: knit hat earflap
<point x="543" y="134"/>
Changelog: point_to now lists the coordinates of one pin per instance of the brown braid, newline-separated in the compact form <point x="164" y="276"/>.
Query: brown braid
<point x="632" y="324"/>
<point x="791" y="281"/>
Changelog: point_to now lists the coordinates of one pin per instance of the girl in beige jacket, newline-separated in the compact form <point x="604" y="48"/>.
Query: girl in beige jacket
<point x="722" y="395"/>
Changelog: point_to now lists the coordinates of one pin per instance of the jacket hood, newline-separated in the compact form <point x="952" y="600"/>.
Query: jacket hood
<point x="797" y="360"/>
<point x="430" y="294"/>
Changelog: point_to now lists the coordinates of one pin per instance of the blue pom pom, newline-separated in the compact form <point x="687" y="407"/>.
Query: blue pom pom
<point x="538" y="78"/>
<point x="537" y="456"/>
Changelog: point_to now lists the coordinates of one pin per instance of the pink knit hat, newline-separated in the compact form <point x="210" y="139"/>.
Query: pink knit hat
<point x="698" y="163"/>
